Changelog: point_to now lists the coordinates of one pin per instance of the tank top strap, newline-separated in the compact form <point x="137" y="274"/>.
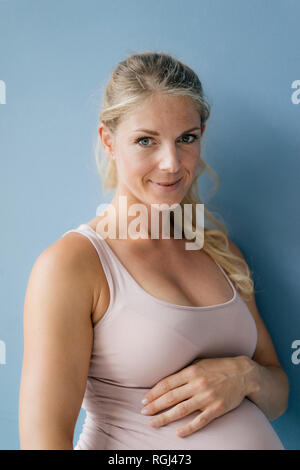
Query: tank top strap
<point x="114" y="276"/>
<point x="234" y="290"/>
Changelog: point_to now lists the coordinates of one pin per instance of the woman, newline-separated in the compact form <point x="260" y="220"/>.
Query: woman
<point x="112" y="320"/>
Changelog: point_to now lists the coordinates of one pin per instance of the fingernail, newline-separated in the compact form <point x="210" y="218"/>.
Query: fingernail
<point x="145" y="401"/>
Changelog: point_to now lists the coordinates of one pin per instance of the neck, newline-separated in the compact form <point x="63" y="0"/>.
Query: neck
<point x="144" y="221"/>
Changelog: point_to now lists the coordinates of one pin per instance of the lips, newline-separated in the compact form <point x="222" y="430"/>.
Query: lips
<point x="167" y="183"/>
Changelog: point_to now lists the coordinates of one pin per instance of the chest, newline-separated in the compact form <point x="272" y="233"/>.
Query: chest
<point x="172" y="274"/>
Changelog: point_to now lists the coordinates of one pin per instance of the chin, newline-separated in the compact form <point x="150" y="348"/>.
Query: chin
<point x="169" y="201"/>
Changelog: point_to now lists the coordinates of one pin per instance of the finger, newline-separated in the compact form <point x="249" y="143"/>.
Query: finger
<point x="176" y="412"/>
<point x="168" y="383"/>
<point x="201" y="420"/>
<point x="169" y="399"/>
<point x="178" y="395"/>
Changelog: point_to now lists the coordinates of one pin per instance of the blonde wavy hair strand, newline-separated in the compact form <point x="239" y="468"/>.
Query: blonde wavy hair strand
<point x="137" y="79"/>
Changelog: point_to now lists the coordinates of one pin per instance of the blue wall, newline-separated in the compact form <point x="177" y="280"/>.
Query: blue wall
<point x="55" y="59"/>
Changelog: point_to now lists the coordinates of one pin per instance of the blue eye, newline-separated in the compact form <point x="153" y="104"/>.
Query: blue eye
<point x="142" y="138"/>
<point x="191" y="135"/>
<point x="195" y="137"/>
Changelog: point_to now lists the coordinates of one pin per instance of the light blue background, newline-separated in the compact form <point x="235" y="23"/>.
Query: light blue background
<point x="56" y="57"/>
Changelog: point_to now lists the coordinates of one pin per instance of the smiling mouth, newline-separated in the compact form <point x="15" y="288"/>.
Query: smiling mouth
<point x="167" y="184"/>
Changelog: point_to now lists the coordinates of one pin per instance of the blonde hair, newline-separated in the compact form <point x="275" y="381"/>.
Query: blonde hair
<point x="133" y="81"/>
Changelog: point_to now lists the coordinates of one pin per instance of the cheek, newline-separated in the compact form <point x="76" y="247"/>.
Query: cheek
<point x="133" y="168"/>
<point x="191" y="162"/>
<point x="135" y="165"/>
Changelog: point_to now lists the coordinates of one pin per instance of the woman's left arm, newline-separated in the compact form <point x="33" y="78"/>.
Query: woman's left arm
<point x="266" y="375"/>
<point x="271" y="388"/>
<point x="217" y="385"/>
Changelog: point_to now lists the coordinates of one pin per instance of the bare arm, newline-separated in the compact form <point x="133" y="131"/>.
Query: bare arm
<point x="267" y="383"/>
<point x="266" y="386"/>
<point x="58" y="337"/>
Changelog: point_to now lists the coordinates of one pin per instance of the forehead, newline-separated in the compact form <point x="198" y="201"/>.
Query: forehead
<point x="161" y="111"/>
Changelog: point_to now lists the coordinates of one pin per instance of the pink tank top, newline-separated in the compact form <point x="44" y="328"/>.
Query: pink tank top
<point x="142" y="339"/>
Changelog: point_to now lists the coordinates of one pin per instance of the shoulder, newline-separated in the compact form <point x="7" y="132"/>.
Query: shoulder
<point x="235" y="249"/>
<point x="72" y="250"/>
<point x="72" y="258"/>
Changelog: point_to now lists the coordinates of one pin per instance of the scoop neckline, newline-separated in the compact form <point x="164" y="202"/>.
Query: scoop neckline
<point x="160" y="301"/>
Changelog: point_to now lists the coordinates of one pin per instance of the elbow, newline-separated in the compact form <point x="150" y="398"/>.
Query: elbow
<point x="274" y="417"/>
<point x="286" y="393"/>
<point x="39" y="439"/>
<point x="46" y="444"/>
<point x="39" y="431"/>
<point x="285" y="386"/>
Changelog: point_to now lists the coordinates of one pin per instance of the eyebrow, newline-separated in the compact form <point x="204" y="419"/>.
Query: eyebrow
<point x="149" y="131"/>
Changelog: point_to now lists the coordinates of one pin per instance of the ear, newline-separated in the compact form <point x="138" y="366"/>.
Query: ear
<point x="203" y="128"/>
<point x="107" y="140"/>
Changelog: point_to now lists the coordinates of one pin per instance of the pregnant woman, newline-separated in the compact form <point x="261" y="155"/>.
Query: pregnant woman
<point x="110" y="319"/>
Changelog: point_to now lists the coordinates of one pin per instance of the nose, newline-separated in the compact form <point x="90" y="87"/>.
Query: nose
<point x="169" y="160"/>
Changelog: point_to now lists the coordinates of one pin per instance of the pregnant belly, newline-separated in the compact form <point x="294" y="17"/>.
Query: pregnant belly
<point x="112" y="424"/>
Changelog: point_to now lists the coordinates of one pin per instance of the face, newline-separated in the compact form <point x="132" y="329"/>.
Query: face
<point x="165" y="151"/>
